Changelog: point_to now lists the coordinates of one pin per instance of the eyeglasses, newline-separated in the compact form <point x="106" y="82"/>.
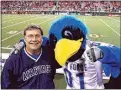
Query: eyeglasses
<point x="33" y="36"/>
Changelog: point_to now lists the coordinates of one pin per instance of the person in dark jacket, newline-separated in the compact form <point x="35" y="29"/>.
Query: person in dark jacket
<point x="31" y="68"/>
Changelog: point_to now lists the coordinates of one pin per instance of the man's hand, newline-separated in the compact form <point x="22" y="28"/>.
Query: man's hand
<point x="16" y="48"/>
<point x="95" y="53"/>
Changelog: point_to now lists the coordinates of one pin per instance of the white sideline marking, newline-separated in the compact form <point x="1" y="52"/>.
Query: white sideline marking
<point x="22" y="31"/>
<point x="8" y="46"/>
<point x="20" y="23"/>
<point x="109" y="26"/>
<point x="22" y="18"/>
<point x="5" y="48"/>
<point x="47" y="20"/>
<point x="14" y="19"/>
<point x="114" y="19"/>
<point x="11" y="36"/>
<point x="7" y="17"/>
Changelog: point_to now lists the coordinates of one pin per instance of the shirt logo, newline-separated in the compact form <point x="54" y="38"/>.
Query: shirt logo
<point x="36" y="71"/>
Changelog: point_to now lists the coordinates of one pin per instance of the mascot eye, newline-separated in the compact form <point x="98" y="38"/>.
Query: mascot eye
<point x="52" y="40"/>
<point x="67" y="34"/>
<point x="72" y="33"/>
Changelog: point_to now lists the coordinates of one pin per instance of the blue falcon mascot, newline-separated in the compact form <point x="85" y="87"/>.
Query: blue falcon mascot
<point x="82" y="60"/>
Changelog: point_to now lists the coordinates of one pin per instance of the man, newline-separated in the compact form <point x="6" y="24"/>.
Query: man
<point x="32" y="67"/>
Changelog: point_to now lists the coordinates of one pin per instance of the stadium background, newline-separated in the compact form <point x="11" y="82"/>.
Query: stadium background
<point x="101" y="17"/>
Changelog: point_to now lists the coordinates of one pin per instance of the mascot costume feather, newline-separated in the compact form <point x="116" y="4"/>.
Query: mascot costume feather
<point x="82" y="59"/>
<point x="73" y="51"/>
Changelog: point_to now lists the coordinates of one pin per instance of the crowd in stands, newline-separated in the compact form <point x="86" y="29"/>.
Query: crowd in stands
<point x="80" y="6"/>
<point x="27" y="5"/>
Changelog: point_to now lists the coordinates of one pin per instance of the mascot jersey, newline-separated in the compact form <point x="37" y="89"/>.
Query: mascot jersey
<point x="84" y="75"/>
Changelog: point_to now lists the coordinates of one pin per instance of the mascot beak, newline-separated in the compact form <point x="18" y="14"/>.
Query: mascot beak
<point x="65" y="49"/>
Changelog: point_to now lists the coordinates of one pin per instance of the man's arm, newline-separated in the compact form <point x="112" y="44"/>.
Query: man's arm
<point x="17" y="47"/>
<point x="6" y="76"/>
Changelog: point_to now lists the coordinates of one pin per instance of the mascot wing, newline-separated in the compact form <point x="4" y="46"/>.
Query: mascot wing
<point x="111" y="62"/>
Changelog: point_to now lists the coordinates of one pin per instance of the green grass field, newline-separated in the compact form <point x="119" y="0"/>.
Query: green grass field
<point x="102" y="28"/>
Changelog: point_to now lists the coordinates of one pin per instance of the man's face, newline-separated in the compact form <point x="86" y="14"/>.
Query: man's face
<point x="33" y="39"/>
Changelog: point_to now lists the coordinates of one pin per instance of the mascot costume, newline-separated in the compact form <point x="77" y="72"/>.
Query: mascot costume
<point x="81" y="59"/>
<point x="76" y="54"/>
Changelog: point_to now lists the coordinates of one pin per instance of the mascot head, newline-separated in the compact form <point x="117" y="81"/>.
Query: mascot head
<point x="67" y="36"/>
